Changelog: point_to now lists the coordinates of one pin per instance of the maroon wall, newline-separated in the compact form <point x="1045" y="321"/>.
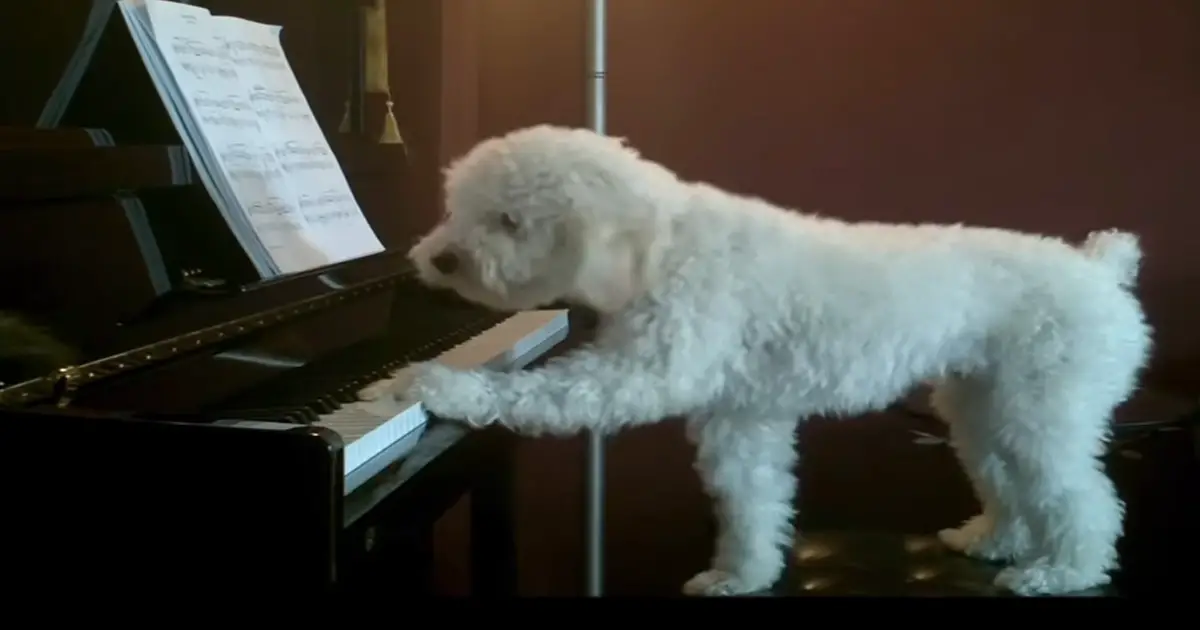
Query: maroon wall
<point x="1056" y="116"/>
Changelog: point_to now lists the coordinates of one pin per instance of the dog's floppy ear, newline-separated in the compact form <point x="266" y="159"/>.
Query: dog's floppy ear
<point x="609" y="277"/>
<point x="619" y="266"/>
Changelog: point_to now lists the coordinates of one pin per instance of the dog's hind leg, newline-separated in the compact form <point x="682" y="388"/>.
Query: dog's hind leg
<point x="1046" y="431"/>
<point x="1054" y="435"/>
<point x="998" y="533"/>
<point x="747" y="466"/>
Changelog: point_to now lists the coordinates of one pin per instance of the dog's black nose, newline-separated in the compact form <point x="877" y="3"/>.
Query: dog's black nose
<point x="446" y="263"/>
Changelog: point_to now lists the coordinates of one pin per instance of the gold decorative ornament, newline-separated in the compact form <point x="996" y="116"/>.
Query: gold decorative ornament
<point x="376" y="71"/>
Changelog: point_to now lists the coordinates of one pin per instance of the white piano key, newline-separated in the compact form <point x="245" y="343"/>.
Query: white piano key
<point x="380" y="419"/>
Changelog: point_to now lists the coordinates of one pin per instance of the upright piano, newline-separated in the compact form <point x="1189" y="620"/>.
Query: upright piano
<point x="194" y="425"/>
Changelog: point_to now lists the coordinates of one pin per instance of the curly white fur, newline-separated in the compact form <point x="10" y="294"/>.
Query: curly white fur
<point x="745" y="317"/>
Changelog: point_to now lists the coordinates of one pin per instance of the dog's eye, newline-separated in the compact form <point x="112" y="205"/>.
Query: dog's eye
<point x="508" y="222"/>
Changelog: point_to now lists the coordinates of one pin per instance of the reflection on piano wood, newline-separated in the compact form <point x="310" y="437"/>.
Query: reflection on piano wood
<point x="212" y="432"/>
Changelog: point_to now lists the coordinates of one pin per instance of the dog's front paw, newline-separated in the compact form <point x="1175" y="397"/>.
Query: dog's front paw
<point x="455" y="394"/>
<point x="980" y="538"/>
<point x="716" y="583"/>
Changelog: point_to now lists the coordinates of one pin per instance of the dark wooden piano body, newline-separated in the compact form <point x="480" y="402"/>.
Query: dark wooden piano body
<point x="115" y="472"/>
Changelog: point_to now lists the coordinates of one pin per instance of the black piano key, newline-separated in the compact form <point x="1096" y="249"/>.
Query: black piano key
<point x="298" y="399"/>
<point x="324" y="404"/>
<point x="276" y="414"/>
<point x="354" y="385"/>
<point x="316" y="397"/>
<point x="345" y="394"/>
<point x="297" y="414"/>
<point x="322" y="390"/>
<point x="324" y="385"/>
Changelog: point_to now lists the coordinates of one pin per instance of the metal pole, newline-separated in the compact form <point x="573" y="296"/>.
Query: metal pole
<point x="594" y="474"/>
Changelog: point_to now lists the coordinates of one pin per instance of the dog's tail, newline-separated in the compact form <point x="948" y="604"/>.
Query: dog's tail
<point x="1118" y="251"/>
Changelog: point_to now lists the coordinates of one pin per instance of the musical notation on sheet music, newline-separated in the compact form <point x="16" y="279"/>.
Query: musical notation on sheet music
<point x="263" y="142"/>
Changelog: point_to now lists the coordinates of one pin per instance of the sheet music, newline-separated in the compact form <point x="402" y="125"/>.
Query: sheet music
<point x="269" y="156"/>
<point x="202" y="156"/>
<point x="323" y="196"/>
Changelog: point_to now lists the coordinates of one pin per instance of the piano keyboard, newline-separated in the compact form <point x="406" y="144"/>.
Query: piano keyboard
<point x="376" y="422"/>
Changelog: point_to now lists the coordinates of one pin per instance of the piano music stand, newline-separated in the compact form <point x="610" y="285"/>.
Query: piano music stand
<point x="179" y="272"/>
<point x="594" y="471"/>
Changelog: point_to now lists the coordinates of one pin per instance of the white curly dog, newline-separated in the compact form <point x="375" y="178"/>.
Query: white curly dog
<point x="745" y="317"/>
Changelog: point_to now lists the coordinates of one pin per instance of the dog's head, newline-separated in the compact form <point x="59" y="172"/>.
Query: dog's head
<point x="549" y="214"/>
